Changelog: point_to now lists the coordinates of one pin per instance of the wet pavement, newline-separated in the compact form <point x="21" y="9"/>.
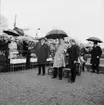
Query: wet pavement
<point x="27" y="88"/>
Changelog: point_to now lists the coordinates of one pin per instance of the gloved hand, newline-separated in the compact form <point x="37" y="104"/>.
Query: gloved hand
<point x="97" y="56"/>
<point x="75" y="61"/>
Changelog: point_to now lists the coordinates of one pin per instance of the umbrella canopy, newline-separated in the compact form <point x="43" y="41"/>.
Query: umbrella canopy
<point x="29" y="40"/>
<point x="19" y="31"/>
<point x="40" y="38"/>
<point x="11" y="32"/>
<point x="26" y="38"/>
<point x="56" y="34"/>
<point x="94" y="39"/>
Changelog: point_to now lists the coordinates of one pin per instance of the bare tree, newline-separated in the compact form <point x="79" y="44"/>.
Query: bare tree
<point x="3" y="23"/>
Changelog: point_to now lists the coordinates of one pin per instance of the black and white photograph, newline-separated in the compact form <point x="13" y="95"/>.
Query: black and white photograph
<point x="51" y="52"/>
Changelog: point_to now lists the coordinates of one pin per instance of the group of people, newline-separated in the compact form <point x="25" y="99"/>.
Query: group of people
<point x="59" y="59"/>
<point x="73" y="51"/>
<point x="12" y="50"/>
<point x="42" y="51"/>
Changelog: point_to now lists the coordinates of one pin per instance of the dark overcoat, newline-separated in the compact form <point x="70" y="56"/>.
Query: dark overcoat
<point x="95" y="55"/>
<point x="73" y="53"/>
<point x="42" y="54"/>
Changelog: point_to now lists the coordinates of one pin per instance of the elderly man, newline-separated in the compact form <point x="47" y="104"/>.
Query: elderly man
<point x="42" y="54"/>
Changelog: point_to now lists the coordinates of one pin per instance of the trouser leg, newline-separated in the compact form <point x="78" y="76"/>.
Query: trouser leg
<point x="83" y="66"/>
<point x="8" y="65"/>
<point x="43" y="69"/>
<point x="39" y="69"/>
<point x="93" y="67"/>
<point x="60" y="73"/>
<point x="55" y="73"/>
<point x="97" y="68"/>
<point x="73" y="73"/>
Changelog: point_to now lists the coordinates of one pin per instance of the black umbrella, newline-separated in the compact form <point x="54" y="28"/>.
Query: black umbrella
<point x="19" y="31"/>
<point x="26" y="38"/>
<point x="94" y="39"/>
<point x="56" y="34"/>
<point x="11" y="32"/>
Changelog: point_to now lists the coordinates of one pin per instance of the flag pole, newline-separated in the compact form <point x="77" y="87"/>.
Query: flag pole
<point x="15" y="21"/>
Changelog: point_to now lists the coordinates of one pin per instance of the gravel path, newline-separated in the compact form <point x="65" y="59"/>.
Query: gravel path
<point x="26" y="88"/>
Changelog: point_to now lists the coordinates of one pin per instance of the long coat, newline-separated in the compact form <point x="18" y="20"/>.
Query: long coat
<point x="59" y="59"/>
<point x="42" y="54"/>
<point x="73" y="53"/>
<point x="25" y="48"/>
<point x="96" y="52"/>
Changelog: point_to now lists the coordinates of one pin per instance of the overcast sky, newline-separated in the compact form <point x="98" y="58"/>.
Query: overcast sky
<point x="78" y="18"/>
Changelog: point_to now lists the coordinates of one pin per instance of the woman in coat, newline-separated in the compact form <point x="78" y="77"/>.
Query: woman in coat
<point x="59" y="59"/>
<point x="42" y="55"/>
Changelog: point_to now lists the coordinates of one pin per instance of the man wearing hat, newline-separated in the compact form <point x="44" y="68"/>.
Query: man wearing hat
<point x="96" y="53"/>
<point x="42" y="55"/>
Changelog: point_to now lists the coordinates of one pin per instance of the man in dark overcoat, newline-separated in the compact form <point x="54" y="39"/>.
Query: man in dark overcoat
<point x="42" y="55"/>
<point x="73" y="53"/>
<point x="96" y="53"/>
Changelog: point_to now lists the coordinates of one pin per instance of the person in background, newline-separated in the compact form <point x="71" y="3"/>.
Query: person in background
<point x="59" y="59"/>
<point x="25" y="48"/>
<point x="73" y="54"/>
<point x="42" y="55"/>
<point x="12" y="48"/>
<point x="4" y="51"/>
<point x="52" y="50"/>
<point x="28" y="56"/>
<point x="26" y="53"/>
<point x="83" y="57"/>
<point x="96" y="53"/>
<point x="20" y="48"/>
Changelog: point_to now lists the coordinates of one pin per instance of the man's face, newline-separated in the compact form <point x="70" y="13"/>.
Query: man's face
<point x="60" y="40"/>
<point x="42" y="41"/>
<point x="95" y="44"/>
<point x="72" y="43"/>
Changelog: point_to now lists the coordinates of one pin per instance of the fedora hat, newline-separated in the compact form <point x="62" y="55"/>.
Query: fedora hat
<point x="42" y="38"/>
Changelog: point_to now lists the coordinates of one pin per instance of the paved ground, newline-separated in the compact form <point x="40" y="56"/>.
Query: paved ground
<point x="26" y="88"/>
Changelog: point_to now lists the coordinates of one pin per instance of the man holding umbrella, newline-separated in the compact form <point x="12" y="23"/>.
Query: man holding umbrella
<point x="59" y="58"/>
<point x="96" y="53"/>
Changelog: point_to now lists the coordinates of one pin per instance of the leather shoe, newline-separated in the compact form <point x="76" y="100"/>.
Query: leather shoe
<point x="92" y="71"/>
<point x="53" y="77"/>
<point x="60" y="78"/>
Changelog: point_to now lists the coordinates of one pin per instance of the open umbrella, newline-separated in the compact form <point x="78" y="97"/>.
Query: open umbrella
<point x="56" y="34"/>
<point x="11" y="32"/>
<point x="94" y="39"/>
<point x="26" y="38"/>
<point x="19" y="31"/>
